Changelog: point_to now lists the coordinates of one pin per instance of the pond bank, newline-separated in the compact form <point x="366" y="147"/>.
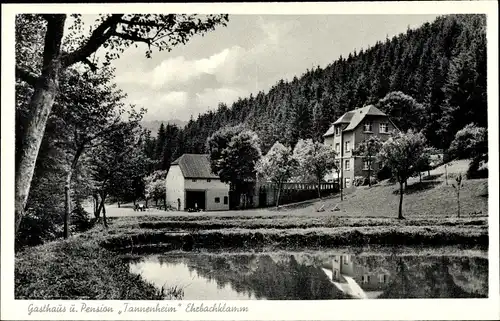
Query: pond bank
<point x="78" y="269"/>
<point x="157" y="234"/>
<point x="87" y="266"/>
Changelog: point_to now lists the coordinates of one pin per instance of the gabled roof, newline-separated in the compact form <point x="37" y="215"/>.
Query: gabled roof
<point x="195" y="166"/>
<point x="354" y="117"/>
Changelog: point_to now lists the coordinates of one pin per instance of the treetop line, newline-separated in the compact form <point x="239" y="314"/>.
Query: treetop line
<point x="431" y="80"/>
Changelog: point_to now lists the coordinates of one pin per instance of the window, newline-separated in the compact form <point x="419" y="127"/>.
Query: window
<point x="337" y="164"/>
<point x="217" y="200"/>
<point x="382" y="278"/>
<point x="226" y="200"/>
<point x="194" y="180"/>
<point x="365" y="278"/>
<point x="367" y="127"/>
<point x="335" y="273"/>
<point x="337" y="130"/>
<point x="209" y="180"/>
<point x="366" y="163"/>
<point x="337" y="147"/>
<point x="347" y="145"/>
<point x="347" y="182"/>
<point x="347" y="165"/>
<point x="384" y="128"/>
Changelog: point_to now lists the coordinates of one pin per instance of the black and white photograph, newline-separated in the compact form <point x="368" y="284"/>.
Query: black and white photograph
<point x="179" y="157"/>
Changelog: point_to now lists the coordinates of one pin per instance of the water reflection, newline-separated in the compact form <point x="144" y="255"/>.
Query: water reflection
<point x="303" y="276"/>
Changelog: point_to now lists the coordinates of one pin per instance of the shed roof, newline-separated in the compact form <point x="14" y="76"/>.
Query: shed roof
<point x="195" y="166"/>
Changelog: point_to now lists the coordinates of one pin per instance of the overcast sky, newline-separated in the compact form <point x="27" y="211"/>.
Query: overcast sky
<point x="252" y="53"/>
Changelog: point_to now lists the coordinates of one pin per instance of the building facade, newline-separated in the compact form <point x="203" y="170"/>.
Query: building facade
<point x="190" y="184"/>
<point x="351" y="129"/>
<point x="357" y="280"/>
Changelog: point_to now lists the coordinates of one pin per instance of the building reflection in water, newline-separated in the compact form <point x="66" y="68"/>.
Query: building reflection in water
<point x="320" y="276"/>
<point x="356" y="280"/>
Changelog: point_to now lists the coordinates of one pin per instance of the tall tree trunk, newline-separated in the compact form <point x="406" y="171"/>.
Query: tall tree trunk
<point x="45" y="90"/>
<point x="67" y="202"/>
<point x="369" y="173"/>
<point x="319" y="188"/>
<point x="278" y="196"/>
<point x="401" y="192"/>
<point x="67" y="191"/>
<point x="97" y="210"/>
<point x="118" y="204"/>
<point x="103" y="207"/>
<point x="67" y="205"/>
<point x="420" y="175"/>
<point x="104" y="219"/>
<point x="458" y="202"/>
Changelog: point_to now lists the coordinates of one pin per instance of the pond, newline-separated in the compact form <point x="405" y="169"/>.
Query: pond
<point x="316" y="275"/>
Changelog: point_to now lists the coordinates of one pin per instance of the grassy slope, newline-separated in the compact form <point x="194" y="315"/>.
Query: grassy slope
<point x="431" y="198"/>
<point x="81" y="268"/>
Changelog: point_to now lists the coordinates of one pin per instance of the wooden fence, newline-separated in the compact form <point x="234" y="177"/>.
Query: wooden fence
<point x="293" y="192"/>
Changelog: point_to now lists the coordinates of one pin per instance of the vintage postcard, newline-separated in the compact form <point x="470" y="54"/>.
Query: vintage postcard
<point x="268" y="161"/>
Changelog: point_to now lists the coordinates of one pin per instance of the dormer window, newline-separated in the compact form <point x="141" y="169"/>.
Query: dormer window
<point x="367" y="127"/>
<point x="337" y="130"/>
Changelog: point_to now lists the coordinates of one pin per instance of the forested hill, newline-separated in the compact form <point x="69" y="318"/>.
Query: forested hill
<point x="441" y="64"/>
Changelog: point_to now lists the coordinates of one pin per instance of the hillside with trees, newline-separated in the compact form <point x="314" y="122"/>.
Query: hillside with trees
<point x="431" y="80"/>
<point x="438" y="69"/>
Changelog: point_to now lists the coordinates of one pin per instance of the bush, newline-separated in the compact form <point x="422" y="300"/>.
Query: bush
<point x="478" y="168"/>
<point x="80" y="219"/>
<point x="373" y="181"/>
<point x="363" y="181"/>
<point x="358" y="180"/>
<point x="384" y="173"/>
<point x="37" y="226"/>
<point x="470" y="142"/>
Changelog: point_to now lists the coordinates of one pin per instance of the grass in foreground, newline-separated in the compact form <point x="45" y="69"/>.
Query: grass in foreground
<point x="80" y="269"/>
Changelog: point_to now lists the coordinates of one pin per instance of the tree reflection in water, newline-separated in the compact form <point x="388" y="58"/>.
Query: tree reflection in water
<point x="309" y="277"/>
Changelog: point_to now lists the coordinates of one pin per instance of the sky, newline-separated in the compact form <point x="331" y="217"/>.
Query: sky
<point x="250" y="54"/>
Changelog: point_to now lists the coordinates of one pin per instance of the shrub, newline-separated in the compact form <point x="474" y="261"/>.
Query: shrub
<point x="478" y="168"/>
<point x="470" y="142"/>
<point x="37" y="226"/>
<point x="373" y="181"/>
<point x="358" y="180"/>
<point x="80" y="219"/>
<point x="384" y="173"/>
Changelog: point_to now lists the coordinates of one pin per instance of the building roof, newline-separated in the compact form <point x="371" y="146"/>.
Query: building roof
<point x="195" y="166"/>
<point x="354" y="117"/>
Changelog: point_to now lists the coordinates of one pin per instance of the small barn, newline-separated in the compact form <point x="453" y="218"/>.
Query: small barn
<point x="191" y="184"/>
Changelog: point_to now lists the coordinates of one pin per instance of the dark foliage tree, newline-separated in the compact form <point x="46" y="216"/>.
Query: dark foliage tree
<point x="114" y="32"/>
<point x="440" y="74"/>
<point x="234" y="152"/>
